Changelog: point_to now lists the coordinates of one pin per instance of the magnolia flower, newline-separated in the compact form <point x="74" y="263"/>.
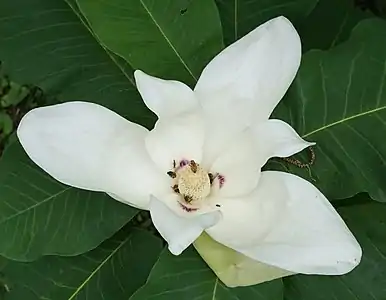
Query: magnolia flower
<point x="199" y="168"/>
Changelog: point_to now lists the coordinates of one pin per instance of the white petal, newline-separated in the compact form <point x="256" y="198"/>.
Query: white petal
<point x="254" y="72"/>
<point x="177" y="138"/>
<point x="247" y="220"/>
<point x="239" y="164"/>
<point x="90" y="147"/>
<point x="133" y="176"/>
<point x="178" y="231"/>
<point x="308" y="237"/>
<point x="164" y="97"/>
<point x="275" y="138"/>
<point x="233" y="268"/>
<point x="222" y="127"/>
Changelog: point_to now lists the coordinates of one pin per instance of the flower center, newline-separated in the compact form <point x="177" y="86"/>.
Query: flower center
<point x="192" y="182"/>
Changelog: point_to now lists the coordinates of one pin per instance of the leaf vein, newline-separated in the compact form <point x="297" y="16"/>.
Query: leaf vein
<point x="168" y="40"/>
<point x="344" y="120"/>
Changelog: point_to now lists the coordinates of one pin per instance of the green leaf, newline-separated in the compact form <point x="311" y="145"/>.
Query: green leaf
<point x="338" y="100"/>
<point x="6" y="124"/>
<point x="14" y="95"/>
<point x="187" y="277"/>
<point x="115" y="270"/>
<point x="38" y="215"/>
<point x="174" y="39"/>
<point x="368" y="280"/>
<point x="239" y="17"/>
<point x="46" y="43"/>
<point x="342" y="16"/>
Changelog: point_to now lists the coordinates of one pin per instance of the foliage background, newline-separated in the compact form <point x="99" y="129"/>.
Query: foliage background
<point x="61" y="243"/>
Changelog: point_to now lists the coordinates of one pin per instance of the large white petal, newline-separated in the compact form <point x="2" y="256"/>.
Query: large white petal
<point x="247" y="220"/>
<point x="255" y="71"/>
<point x="222" y="127"/>
<point x="177" y="138"/>
<point x="178" y="231"/>
<point x="233" y="268"/>
<point x="308" y="236"/>
<point x="90" y="147"/>
<point x="165" y="97"/>
<point x="239" y="165"/>
<point x="275" y="138"/>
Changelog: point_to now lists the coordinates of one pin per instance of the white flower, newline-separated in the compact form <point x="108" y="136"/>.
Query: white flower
<point x="199" y="169"/>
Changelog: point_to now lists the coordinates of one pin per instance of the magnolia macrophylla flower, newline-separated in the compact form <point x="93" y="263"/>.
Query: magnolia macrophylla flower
<point x="199" y="168"/>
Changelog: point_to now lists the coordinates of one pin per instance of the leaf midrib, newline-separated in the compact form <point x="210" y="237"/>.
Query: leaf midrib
<point x="114" y="60"/>
<point x="344" y="120"/>
<point x="100" y="44"/>
<point x="168" y="40"/>
<point x="97" y="269"/>
<point x="34" y="206"/>
<point x="214" y="293"/>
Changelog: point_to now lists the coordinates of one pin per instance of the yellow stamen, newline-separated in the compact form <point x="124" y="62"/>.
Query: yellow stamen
<point x="193" y="183"/>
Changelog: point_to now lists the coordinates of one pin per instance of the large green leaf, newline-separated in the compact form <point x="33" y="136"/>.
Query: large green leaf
<point x="170" y="38"/>
<point x="338" y="100"/>
<point x="368" y="280"/>
<point x="187" y="277"/>
<point x="38" y="215"/>
<point x="45" y="43"/>
<point x="238" y="17"/>
<point x="343" y="16"/>
<point x="115" y="270"/>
